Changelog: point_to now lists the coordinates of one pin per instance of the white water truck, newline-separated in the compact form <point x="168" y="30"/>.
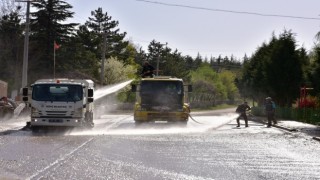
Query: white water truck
<point x="60" y="103"/>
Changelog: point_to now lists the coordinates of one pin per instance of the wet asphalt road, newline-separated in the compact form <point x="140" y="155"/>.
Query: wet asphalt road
<point x="117" y="149"/>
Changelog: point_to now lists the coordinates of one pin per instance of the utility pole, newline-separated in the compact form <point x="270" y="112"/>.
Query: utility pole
<point x="26" y="46"/>
<point x="158" y="58"/>
<point x="103" y="56"/>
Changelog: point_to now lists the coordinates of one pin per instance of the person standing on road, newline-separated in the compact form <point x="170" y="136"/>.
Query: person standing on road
<point x="147" y="70"/>
<point x="242" y="109"/>
<point x="270" y="108"/>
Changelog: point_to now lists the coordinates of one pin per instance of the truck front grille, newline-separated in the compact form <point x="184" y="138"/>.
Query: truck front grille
<point x="56" y="113"/>
<point x="49" y="114"/>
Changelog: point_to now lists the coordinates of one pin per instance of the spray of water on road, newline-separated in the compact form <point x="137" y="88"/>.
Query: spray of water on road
<point x="18" y="110"/>
<point x="208" y="123"/>
<point x="127" y="127"/>
<point x="109" y="103"/>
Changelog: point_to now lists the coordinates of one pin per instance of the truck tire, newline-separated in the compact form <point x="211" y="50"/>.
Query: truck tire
<point x="90" y="125"/>
<point x="35" y="129"/>
<point x="89" y="120"/>
<point x="182" y="123"/>
<point x="137" y="123"/>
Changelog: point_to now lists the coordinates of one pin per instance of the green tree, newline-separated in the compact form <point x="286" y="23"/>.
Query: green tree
<point x="47" y="26"/>
<point x="197" y="61"/>
<point x="318" y="37"/>
<point x="314" y="73"/>
<point x="116" y="71"/>
<point x="175" y="65"/>
<point x="102" y="26"/>
<point x="11" y="48"/>
<point x="275" y="70"/>
<point x="140" y="57"/>
<point x="251" y="83"/>
<point x="171" y="63"/>
<point x="79" y="59"/>
<point x="189" y="63"/>
<point x="156" y="51"/>
<point x="206" y="80"/>
<point x="228" y="80"/>
<point x="284" y="70"/>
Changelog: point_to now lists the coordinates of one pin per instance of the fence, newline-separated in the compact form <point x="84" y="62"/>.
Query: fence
<point x="307" y="115"/>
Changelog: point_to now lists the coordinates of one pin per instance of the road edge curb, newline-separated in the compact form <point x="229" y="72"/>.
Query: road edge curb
<point x="277" y="126"/>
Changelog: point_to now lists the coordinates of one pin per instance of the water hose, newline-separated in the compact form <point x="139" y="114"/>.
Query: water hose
<point x="194" y="119"/>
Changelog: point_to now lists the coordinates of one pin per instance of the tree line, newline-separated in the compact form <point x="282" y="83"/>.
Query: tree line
<point x="277" y="69"/>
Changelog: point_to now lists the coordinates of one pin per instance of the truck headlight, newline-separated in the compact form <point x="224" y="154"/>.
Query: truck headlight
<point x="34" y="120"/>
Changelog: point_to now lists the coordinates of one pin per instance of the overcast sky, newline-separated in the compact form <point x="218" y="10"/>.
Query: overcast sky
<point x="210" y="27"/>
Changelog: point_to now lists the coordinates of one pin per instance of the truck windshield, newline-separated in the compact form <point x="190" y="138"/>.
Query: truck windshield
<point x="57" y="92"/>
<point x="156" y="94"/>
<point x="170" y="87"/>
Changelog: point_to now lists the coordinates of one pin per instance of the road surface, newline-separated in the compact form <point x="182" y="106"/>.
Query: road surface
<point x="117" y="149"/>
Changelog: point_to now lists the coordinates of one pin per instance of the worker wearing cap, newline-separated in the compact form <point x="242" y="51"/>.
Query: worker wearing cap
<point x="241" y="109"/>
<point x="147" y="70"/>
<point x="270" y="108"/>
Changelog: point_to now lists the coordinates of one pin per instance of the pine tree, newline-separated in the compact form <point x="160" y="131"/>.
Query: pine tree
<point x="11" y="48"/>
<point x="101" y="23"/>
<point x="275" y="70"/>
<point x="48" y="25"/>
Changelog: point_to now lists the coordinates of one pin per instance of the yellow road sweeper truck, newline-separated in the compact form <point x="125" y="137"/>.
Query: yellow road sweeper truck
<point x="161" y="98"/>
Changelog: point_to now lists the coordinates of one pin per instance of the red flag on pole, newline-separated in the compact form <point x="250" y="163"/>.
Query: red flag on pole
<point x="56" y="46"/>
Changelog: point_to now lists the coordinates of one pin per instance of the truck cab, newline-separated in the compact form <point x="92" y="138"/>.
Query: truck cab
<point x="60" y="103"/>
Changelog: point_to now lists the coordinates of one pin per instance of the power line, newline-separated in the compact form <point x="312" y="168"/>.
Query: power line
<point x="229" y="11"/>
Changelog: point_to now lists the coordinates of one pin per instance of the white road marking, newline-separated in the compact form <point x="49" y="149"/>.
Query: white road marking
<point x="59" y="160"/>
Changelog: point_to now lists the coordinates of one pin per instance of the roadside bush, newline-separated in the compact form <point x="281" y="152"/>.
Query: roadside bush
<point x="308" y="102"/>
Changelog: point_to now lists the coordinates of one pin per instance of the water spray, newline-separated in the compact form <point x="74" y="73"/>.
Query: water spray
<point x="99" y="93"/>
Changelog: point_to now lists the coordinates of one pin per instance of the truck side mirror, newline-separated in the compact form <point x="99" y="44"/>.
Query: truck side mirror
<point x="133" y="88"/>
<point x="90" y="100"/>
<point x="25" y="91"/>
<point x="90" y="92"/>
<point x="189" y="88"/>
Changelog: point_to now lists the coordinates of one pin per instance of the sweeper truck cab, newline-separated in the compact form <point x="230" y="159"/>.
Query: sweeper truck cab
<point x="60" y="103"/>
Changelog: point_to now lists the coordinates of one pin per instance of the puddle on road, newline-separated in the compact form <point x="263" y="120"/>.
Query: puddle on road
<point x="207" y="123"/>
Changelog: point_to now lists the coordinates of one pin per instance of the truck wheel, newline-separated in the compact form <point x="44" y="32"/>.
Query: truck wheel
<point x="35" y="129"/>
<point x="90" y="125"/>
<point x="182" y="123"/>
<point x="137" y="123"/>
<point x="89" y="120"/>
